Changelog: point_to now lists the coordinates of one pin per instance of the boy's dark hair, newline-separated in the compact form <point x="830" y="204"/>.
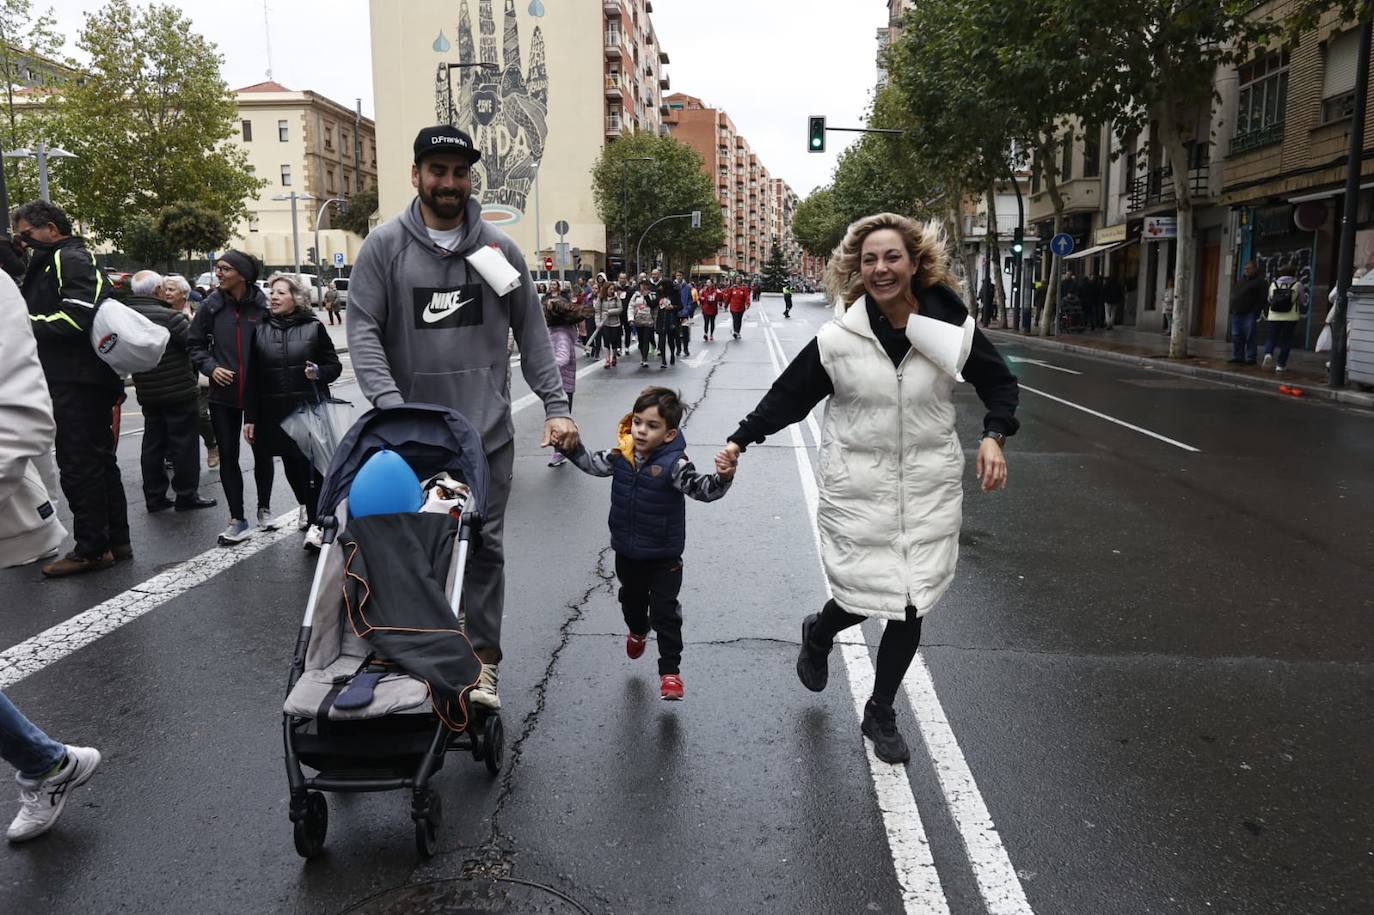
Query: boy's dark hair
<point x="665" y="400"/>
<point x="38" y="213"/>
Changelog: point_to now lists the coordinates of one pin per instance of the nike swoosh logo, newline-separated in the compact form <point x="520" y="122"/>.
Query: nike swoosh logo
<point x="433" y="314"/>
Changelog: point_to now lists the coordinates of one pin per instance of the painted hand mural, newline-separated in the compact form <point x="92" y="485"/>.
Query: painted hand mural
<point x="504" y="109"/>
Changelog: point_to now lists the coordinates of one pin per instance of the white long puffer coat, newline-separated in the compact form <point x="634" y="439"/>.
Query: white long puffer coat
<point x="891" y="466"/>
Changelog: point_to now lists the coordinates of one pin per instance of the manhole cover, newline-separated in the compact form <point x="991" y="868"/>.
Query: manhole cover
<point x="470" y="897"/>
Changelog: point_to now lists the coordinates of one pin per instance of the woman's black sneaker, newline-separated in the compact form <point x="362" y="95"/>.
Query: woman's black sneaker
<point x="813" y="668"/>
<point x="880" y="726"/>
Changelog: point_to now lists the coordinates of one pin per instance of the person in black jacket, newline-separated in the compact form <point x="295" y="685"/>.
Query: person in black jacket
<point x="170" y="401"/>
<point x="293" y="361"/>
<point x="220" y="343"/>
<point x="85" y="391"/>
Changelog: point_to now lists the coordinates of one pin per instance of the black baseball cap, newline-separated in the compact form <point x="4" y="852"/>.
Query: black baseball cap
<point x="444" y="138"/>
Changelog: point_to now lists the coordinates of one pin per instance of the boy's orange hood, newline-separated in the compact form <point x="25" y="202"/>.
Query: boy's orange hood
<point x="627" y="442"/>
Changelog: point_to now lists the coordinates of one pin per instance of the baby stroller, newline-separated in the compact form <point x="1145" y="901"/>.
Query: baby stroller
<point x="381" y="670"/>
<point x="1072" y="318"/>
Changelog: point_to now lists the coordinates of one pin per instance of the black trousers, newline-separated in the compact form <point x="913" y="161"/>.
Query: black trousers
<point x="228" y="430"/>
<point x="646" y="340"/>
<point x="207" y="427"/>
<point x="648" y="598"/>
<point x="170" y="434"/>
<point x="611" y="337"/>
<point x="667" y="343"/>
<point x="708" y="325"/>
<point x="87" y="467"/>
<point x="737" y="319"/>
<point x="684" y="339"/>
<point x="305" y="481"/>
<point x="787" y="303"/>
<point x="898" y="647"/>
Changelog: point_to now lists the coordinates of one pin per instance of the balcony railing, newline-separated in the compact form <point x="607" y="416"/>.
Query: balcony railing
<point x="615" y="43"/>
<point x="1254" y="139"/>
<point x="615" y="84"/>
<point x="1157" y="186"/>
<point x="611" y="8"/>
<point x="614" y="125"/>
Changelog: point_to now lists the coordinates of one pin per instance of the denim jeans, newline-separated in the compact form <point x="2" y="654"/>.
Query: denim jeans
<point x="23" y="745"/>
<point x="1244" y="341"/>
<point x="1280" y="334"/>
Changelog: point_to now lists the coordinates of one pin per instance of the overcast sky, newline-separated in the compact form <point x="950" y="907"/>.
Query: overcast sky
<point x="768" y="64"/>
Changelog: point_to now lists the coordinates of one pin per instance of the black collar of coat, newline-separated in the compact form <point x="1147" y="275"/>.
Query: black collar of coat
<point x="939" y="302"/>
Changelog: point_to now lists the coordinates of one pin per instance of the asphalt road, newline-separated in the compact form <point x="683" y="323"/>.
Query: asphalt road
<point x="1151" y="685"/>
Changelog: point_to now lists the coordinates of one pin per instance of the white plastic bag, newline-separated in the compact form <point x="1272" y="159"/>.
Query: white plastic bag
<point x="123" y="338"/>
<point x="1324" y="340"/>
<point x="494" y="269"/>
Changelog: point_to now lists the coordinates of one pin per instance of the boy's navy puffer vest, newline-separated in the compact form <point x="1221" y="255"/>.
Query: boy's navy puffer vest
<point x="648" y="515"/>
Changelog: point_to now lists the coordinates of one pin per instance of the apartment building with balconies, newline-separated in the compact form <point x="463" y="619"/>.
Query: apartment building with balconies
<point x="567" y="79"/>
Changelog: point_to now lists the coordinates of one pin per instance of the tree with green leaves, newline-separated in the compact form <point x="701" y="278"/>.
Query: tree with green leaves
<point x="149" y="122"/>
<point x="190" y="227"/>
<point x="818" y="224"/>
<point x="145" y="245"/>
<point x="362" y="206"/>
<point x="23" y="35"/>
<point x="632" y="193"/>
<point x="775" y="273"/>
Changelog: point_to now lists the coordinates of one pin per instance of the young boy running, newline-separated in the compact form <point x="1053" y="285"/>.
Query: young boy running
<point x="651" y="478"/>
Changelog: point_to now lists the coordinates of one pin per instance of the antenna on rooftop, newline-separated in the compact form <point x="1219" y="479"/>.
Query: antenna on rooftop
<point x="267" y="29"/>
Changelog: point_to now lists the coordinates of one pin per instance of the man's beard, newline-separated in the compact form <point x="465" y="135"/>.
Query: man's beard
<point x="445" y="206"/>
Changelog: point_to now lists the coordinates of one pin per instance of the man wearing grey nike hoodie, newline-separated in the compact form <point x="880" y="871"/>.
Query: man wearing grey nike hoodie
<point x="423" y="327"/>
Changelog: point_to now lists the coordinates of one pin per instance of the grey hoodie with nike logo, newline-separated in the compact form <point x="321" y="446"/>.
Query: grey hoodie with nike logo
<point x="424" y="328"/>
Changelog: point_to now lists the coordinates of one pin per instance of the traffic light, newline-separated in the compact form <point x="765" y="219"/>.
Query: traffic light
<point x="310" y="255"/>
<point x="815" y="134"/>
<point x="1018" y="241"/>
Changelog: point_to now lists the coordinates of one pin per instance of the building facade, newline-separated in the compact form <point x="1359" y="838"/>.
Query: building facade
<point x="301" y="142"/>
<point x="541" y="88"/>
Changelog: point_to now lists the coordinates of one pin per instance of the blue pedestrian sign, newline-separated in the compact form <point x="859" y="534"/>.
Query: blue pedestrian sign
<point x="1062" y="244"/>
<point x="338" y="259"/>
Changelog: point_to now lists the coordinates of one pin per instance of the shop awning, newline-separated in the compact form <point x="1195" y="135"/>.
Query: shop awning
<point x="1096" y="249"/>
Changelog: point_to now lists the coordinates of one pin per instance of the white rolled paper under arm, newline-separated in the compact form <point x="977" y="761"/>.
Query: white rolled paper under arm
<point x="494" y="269"/>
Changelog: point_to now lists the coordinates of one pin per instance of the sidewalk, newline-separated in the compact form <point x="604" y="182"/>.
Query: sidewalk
<point x="1207" y="358"/>
<point x="336" y="331"/>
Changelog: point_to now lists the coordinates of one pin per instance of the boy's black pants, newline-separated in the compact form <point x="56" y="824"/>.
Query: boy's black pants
<point x="648" y="598"/>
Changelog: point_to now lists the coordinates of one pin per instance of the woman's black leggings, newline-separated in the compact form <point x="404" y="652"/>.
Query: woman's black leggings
<point x="646" y="340"/>
<point x="737" y="319"/>
<point x="708" y="325"/>
<point x="895" y="652"/>
<point x="228" y="423"/>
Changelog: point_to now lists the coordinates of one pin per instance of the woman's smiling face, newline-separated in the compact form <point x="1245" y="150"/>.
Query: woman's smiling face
<point x="886" y="266"/>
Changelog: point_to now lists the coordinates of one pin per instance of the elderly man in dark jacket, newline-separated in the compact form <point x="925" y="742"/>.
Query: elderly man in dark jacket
<point x="169" y="398"/>
<point x="85" y="391"/>
<point x="1248" y="298"/>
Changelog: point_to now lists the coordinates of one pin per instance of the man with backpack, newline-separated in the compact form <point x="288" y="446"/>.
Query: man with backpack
<point x="1286" y="303"/>
<point x="1247" y="299"/>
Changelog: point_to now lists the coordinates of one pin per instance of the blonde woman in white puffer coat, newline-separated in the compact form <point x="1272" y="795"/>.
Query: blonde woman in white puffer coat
<point x="891" y="463"/>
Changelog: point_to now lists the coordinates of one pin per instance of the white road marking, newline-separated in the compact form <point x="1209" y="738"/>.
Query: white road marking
<point x="531" y="399"/>
<point x="998" y="883"/>
<point x="1112" y="419"/>
<point x="906" y="835"/>
<point x="706" y="353"/>
<point x="53" y="644"/>
<point x="1043" y="364"/>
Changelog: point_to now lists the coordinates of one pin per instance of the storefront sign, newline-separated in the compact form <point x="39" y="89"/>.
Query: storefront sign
<point x="1110" y="235"/>
<point x="1160" y="228"/>
<point x="1274" y="220"/>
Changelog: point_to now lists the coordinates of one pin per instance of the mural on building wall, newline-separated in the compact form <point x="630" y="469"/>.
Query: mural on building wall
<point x="504" y="109"/>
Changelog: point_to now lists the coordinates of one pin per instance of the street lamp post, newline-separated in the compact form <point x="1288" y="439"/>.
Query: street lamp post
<point x="446" y="66"/>
<point x="625" y="236"/>
<point x="319" y="252"/>
<point x="295" y="231"/>
<point x="42" y="152"/>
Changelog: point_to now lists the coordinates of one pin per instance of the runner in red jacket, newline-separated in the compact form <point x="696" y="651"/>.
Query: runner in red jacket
<point x="739" y="303"/>
<point x="710" y="304"/>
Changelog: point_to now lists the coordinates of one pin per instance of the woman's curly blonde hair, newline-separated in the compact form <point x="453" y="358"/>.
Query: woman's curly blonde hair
<point x="925" y="245"/>
<point x="299" y="293"/>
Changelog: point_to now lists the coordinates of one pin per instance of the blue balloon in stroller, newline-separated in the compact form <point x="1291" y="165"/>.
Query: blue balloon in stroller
<point x="381" y="672"/>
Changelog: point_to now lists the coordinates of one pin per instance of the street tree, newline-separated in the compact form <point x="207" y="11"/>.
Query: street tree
<point x="24" y="33"/>
<point x="818" y="224"/>
<point x="149" y="122"/>
<point x="775" y="271"/>
<point x="362" y="206"/>
<point x="145" y="245"/>
<point x="189" y="226"/>
<point x="632" y="193"/>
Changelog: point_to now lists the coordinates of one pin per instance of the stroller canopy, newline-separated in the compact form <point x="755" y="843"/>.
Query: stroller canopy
<point x="430" y="438"/>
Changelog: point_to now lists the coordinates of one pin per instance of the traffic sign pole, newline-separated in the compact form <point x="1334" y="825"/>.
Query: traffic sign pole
<point x="1062" y="246"/>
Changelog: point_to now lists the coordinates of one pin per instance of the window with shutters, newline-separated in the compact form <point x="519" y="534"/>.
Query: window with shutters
<point x="1262" y="102"/>
<point x="1338" y="77"/>
<point x="1092" y="151"/>
<point x="283" y="132"/>
<point x="286" y="176"/>
<point x="1066" y="158"/>
<point x="247" y="131"/>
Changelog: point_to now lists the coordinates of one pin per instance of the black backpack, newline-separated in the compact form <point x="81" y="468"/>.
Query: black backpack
<point x="1281" y="296"/>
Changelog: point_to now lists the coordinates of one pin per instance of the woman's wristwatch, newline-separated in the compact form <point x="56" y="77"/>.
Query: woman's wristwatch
<point x="997" y="437"/>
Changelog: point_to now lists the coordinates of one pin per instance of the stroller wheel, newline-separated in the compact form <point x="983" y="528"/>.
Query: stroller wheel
<point x="427" y="829"/>
<point x="311" y="828"/>
<point x="494" y="739"/>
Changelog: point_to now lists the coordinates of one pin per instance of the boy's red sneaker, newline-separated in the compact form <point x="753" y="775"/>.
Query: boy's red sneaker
<point x="670" y="687"/>
<point x="634" y="644"/>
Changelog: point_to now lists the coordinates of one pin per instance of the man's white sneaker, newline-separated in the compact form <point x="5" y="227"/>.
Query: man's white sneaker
<point x="1268" y="359"/>
<point x="314" y="538"/>
<point x="41" y="802"/>
<point x="265" y="522"/>
<point x="302" y="518"/>
<point x="484" y="693"/>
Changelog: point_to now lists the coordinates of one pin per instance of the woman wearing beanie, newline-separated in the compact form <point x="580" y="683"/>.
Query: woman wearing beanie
<point x="220" y="344"/>
<point x="293" y="363"/>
